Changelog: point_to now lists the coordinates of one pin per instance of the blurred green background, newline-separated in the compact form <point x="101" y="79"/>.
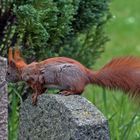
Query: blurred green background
<point x="124" y="32"/>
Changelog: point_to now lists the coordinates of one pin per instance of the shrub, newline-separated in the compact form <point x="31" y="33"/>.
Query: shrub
<point x="46" y="28"/>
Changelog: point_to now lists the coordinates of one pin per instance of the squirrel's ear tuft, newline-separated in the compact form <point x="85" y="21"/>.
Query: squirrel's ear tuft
<point x="10" y="55"/>
<point x="16" y="54"/>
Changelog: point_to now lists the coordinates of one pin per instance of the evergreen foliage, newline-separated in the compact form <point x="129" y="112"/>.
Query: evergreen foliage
<point x="46" y="28"/>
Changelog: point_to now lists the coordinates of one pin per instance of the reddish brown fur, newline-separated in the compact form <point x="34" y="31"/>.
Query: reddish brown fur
<point x="17" y="58"/>
<point x="121" y="73"/>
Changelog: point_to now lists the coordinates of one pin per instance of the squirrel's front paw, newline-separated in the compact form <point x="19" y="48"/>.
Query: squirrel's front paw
<point x="34" y="99"/>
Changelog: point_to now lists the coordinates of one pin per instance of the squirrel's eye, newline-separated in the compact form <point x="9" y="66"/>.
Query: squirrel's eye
<point x="8" y="73"/>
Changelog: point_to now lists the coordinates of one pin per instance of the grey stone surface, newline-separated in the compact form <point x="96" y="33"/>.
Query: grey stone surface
<point x="58" y="117"/>
<point x="3" y="101"/>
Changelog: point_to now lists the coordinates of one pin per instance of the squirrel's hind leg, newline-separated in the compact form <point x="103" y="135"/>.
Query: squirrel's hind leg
<point x="69" y="92"/>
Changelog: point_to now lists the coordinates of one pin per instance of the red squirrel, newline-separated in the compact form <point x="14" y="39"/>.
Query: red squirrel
<point x="71" y="77"/>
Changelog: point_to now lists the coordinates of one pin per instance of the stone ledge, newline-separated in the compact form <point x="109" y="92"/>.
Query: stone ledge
<point x="3" y="100"/>
<point x="58" y="117"/>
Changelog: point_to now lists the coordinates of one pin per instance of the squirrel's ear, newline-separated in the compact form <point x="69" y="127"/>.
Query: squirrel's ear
<point x="10" y="55"/>
<point x="12" y="64"/>
<point x="16" y="54"/>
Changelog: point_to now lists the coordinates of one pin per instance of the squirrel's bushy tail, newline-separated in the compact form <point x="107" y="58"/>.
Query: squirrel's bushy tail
<point x="121" y="73"/>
